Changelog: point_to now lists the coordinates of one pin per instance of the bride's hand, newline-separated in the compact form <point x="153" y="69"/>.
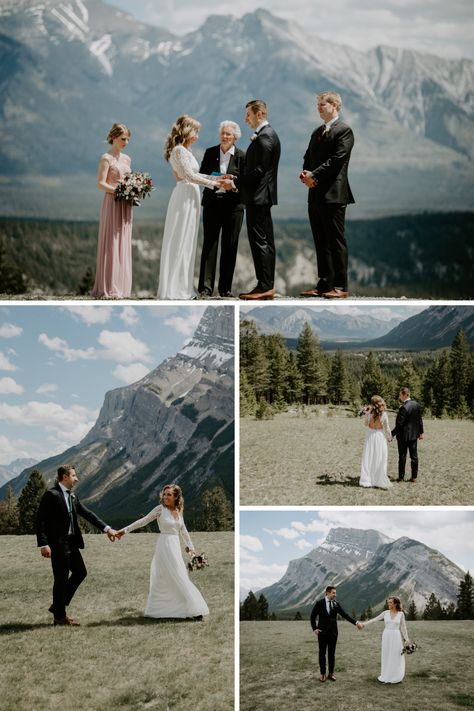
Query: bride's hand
<point x="120" y="534"/>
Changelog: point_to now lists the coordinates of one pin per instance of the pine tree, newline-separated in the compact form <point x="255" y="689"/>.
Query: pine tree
<point x="28" y="502"/>
<point x="408" y="378"/>
<point x="9" y="514"/>
<point x="465" y="608"/>
<point x="248" y="401"/>
<point x="369" y="612"/>
<point x="373" y="382"/>
<point x="262" y="608"/>
<point x="87" y="283"/>
<point x="216" y="511"/>
<point x="412" y="613"/>
<point x="312" y="367"/>
<point x="433" y="609"/>
<point x="338" y="382"/>
<point x="253" y="358"/>
<point x="459" y="361"/>
<point x="12" y="280"/>
<point x="294" y="381"/>
<point x="298" y="616"/>
<point x="248" y="609"/>
<point x="277" y="366"/>
<point x="441" y="386"/>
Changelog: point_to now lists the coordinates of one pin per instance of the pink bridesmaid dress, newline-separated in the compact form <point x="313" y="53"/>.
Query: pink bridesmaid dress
<point x="113" y="278"/>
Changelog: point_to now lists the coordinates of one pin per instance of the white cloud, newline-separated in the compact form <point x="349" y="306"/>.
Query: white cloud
<point x="122" y="347"/>
<point x="90" y="314"/>
<point x="47" y="388"/>
<point x="9" y="330"/>
<point x="68" y="425"/>
<point x="251" y="543"/>
<point x="11" y="449"/>
<point x="63" y="350"/>
<point x="185" y="324"/>
<point x="256" y="573"/>
<point x="5" y="363"/>
<point x="129" y="315"/>
<point x="8" y="386"/>
<point x="130" y="373"/>
<point x="276" y="543"/>
<point x="314" y="526"/>
<point x="303" y="544"/>
<point x="288" y="533"/>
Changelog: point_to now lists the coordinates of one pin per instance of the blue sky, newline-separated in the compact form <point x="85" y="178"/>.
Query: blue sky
<point x="57" y="363"/>
<point x="270" y="539"/>
<point x="441" y="28"/>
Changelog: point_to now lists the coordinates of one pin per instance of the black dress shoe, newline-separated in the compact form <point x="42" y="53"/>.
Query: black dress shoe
<point x="51" y="609"/>
<point x="226" y="295"/>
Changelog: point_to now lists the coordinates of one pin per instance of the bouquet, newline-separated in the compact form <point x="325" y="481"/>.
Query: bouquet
<point x="134" y="187"/>
<point x="409" y="647"/>
<point x="197" y="561"/>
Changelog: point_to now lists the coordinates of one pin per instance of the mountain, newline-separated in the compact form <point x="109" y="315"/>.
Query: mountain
<point x="174" y="425"/>
<point x="435" y="327"/>
<point x="326" y="325"/>
<point x="10" y="471"/>
<point x="71" y="69"/>
<point x="365" y="566"/>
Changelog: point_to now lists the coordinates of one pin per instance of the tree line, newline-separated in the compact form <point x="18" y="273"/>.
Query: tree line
<point x="274" y="377"/>
<point x="18" y="516"/>
<point x="253" y="608"/>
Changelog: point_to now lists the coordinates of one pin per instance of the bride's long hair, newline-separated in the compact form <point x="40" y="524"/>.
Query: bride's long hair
<point x="177" y="493"/>
<point x="181" y="131"/>
<point x="377" y="407"/>
<point x="397" y="601"/>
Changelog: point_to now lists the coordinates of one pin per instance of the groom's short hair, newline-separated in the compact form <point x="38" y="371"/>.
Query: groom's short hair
<point x="63" y="470"/>
<point x="329" y="588"/>
<point x="405" y="391"/>
<point x="332" y="97"/>
<point x="256" y="105"/>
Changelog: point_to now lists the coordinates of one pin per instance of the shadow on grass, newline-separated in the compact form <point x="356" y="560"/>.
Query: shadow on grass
<point x="465" y="700"/>
<point x="134" y="620"/>
<point x="12" y="627"/>
<point x="328" y="480"/>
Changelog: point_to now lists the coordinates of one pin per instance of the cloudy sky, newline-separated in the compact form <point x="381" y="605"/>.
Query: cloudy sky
<point x="57" y="363"/>
<point x="442" y="28"/>
<point x="381" y="312"/>
<point x="270" y="539"/>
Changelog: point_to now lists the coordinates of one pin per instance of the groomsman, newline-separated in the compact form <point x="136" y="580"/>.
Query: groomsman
<point x="408" y="430"/>
<point x="259" y="188"/>
<point x="325" y="167"/>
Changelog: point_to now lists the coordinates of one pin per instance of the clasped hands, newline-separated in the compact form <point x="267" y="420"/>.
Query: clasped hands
<point x="112" y="534"/>
<point x="226" y="182"/>
<point x="306" y="177"/>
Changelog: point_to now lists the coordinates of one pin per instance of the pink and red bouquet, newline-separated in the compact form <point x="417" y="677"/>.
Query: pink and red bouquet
<point x="133" y="188"/>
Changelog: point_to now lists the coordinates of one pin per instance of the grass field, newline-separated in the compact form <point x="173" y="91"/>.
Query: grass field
<point x="116" y="660"/>
<point x="279" y="669"/>
<point x="318" y="458"/>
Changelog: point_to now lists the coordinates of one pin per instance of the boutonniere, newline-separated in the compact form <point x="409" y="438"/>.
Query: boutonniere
<point x="73" y="497"/>
<point x="253" y="136"/>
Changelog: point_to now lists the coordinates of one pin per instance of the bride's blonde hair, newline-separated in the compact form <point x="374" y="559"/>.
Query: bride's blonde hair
<point x="377" y="406"/>
<point x="181" y="131"/>
<point x="177" y="493"/>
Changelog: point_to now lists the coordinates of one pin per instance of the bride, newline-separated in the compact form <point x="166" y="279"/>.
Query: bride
<point x="178" y="252"/>
<point x="373" y="470"/>
<point x="171" y="594"/>
<point x="393" y="661"/>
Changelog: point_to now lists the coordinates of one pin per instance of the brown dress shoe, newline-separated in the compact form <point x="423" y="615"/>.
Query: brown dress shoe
<point x="312" y="292"/>
<point x="322" y="678"/>
<point x="69" y="621"/>
<point x="257" y="295"/>
<point x="413" y="481"/>
<point x="331" y="677"/>
<point x="336" y="294"/>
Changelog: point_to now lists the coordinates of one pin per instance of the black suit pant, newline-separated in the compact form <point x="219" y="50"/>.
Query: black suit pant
<point x="219" y="218"/>
<point x="405" y="446"/>
<point x="66" y="558"/>
<point x="262" y="244"/>
<point x="327" y="641"/>
<point x="327" y="222"/>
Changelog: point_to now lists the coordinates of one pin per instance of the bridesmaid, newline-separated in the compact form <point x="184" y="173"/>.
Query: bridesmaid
<point x="113" y="278"/>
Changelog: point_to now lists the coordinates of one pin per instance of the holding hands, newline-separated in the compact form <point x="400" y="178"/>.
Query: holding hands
<point x="226" y="182"/>
<point x="360" y="626"/>
<point x="306" y="177"/>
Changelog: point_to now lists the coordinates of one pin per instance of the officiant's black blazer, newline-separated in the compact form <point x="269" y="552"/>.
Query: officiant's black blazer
<point x="52" y="524"/>
<point x="409" y="422"/>
<point x="327" y="622"/>
<point x="211" y="164"/>
<point x="327" y="157"/>
<point x="259" y="180"/>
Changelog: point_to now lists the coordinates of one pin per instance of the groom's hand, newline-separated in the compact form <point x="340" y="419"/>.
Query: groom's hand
<point x="111" y="533"/>
<point x="316" y="632"/>
<point x="46" y="552"/>
<point x="306" y="177"/>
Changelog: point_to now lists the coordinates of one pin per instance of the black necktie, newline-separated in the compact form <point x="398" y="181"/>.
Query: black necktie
<point x="320" y="133"/>
<point x="70" y="509"/>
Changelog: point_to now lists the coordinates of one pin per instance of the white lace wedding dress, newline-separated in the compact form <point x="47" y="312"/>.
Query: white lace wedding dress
<point x="373" y="470"/>
<point x="178" y="252"/>
<point x="392" y="661"/>
<point x="171" y="594"/>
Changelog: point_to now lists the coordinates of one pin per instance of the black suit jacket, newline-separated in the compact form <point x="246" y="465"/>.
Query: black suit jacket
<point x="259" y="180"/>
<point x="409" y="422"/>
<point x="211" y="164"/>
<point x="320" y="619"/>
<point x="52" y="525"/>
<point x="327" y="157"/>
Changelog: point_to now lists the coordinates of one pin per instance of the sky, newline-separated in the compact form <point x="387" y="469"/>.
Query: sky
<point x="381" y="312"/>
<point x="270" y="539"/>
<point x="57" y="363"/>
<point x="441" y="28"/>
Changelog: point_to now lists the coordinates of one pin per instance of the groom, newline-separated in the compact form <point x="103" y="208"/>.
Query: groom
<point x="60" y="538"/>
<point x="408" y="430"/>
<point x="259" y="188"/>
<point x="324" y="624"/>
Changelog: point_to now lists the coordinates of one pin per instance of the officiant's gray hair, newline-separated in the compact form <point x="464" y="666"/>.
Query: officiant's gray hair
<point x="233" y="127"/>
